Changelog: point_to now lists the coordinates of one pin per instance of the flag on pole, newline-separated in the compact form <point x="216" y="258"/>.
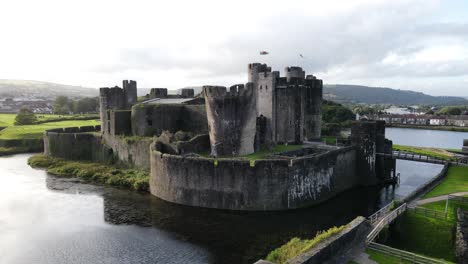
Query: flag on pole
<point x="263" y="52"/>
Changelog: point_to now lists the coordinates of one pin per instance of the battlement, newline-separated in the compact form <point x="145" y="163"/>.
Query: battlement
<point x="187" y="93"/>
<point x="268" y="75"/>
<point x="254" y="69"/>
<point x="294" y="72"/>
<point x="237" y="90"/>
<point x="158" y="93"/>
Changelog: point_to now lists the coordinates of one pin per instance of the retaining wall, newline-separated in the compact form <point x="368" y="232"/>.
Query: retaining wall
<point x="427" y="187"/>
<point x="134" y="151"/>
<point x="75" y="143"/>
<point x="331" y="250"/>
<point x="270" y="184"/>
<point x="461" y="234"/>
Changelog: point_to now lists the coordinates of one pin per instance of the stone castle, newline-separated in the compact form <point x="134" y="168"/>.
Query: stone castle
<point x="267" y="110"/>
<point x="194" y="144"/>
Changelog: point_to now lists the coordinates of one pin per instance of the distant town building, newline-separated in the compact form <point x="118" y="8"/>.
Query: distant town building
<point x="424" y="120"/>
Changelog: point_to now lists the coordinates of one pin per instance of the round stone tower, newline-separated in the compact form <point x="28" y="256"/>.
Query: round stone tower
<point x="294" y="73"/>
<point x="254" y="69"/>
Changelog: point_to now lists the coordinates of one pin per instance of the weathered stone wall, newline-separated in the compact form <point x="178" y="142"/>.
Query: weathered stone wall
<point x="290" y="119"/>
<point x="273" y="184"/>
<point x="461" y="237"/>
<point x="266" y="102"/>
<point x="116" y="98"/>
<point x="331" y="250"/>
<point x="187" y="93"/>
<point x="313" y="108"/>
<point x="74" y="144"/>
<point x="364" y="136"/>
<point x="153" y="119"/>
<point x="120" y="122"/>
<point x="131" y="151"/>
<point x="158" y="93"/>
<point x="231" y="119"/>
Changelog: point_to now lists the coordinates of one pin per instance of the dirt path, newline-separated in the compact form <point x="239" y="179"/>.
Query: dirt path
<point x="439" y="198"/>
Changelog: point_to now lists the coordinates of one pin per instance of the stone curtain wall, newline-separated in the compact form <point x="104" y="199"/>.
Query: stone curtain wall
<point x="334" y="249"/>
<point x="153" y="119"/>
<point x="75" y="144"/>
<point x="461" y="237"/>
<point x="231" y="119"/>
<point x="130" y="151"/>
<point x="268" y="185"/>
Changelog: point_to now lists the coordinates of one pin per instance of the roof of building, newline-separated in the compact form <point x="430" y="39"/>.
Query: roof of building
<point x="167" y="100"/>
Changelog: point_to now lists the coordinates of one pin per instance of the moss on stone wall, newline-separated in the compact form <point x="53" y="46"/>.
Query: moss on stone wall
<point x="297" y="246"/>
<point x="93" y="172"/>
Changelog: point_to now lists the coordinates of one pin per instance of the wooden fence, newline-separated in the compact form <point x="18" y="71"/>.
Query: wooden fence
<point x="403" y="255"/>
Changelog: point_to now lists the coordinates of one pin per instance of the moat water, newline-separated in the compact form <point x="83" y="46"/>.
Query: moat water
<point x="426" y="138"/>
<point x="46" y="219"/>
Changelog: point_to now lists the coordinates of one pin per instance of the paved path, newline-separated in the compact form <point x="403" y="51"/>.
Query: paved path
<point x="439" y="198"/>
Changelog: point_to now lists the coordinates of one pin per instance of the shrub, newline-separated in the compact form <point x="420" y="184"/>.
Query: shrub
<point x="297" y="246"/>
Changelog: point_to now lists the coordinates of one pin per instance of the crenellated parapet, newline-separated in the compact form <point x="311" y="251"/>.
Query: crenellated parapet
<point x="231" y="119"/>
<point x="116" y="98"/>
<point x="158" y="93"/>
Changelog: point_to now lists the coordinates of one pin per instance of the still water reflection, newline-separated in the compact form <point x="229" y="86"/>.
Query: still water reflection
<point x="45" y="219"/>
<point x="426" y="138"/>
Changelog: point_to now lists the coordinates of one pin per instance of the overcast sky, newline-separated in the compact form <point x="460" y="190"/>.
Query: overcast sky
<point x="419" y="45"/>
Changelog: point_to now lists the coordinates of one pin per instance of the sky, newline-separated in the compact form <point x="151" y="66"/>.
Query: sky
<point x="419" y="45"/>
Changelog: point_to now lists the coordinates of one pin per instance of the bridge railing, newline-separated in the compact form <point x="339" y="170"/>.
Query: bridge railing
<point x="403" y="255"/>
<point x="458" y="198"/>
<point x="380" y="213"/>
<point x="429" y="212"/>
<point x="385" y="221"/>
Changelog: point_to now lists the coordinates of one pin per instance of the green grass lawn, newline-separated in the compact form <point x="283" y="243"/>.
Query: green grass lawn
<point x="451" y="210"/>
<point x="382" y="258"/>
<point x="35" y="131"/>
<point x="297" y="246"/>
<point x="456" y="181"/>
<point x="423" y="235"/>
<point x="94" y="172"/>
<point x="430" y="152"/>
<point x="7" y="120"/>
<point x="265" y="152"/>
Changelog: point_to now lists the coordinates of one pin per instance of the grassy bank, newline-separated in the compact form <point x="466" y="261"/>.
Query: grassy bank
<point x="12" y="150"/>
<point x="36" y="131"/>
<point x="424" y="235"/>
<point x="264" y="153"/>
<point x="443" y="128"/>
<point x="382" y="258"/>
<point x="455" y="181"/>
<point x="430" y="152"/>
<point x="9" y="119"/>
<point x="297" y="246"/>
<point x="451" y="209"/>
<point x="93" y="172"/>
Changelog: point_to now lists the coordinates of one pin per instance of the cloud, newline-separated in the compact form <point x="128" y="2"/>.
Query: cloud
<point x="181" y="43"/>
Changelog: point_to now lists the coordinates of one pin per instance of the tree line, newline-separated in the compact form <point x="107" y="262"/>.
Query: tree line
<point x="64" y="105"/>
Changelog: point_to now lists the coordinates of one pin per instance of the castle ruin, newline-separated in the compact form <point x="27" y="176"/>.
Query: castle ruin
<point x="195" y="146"/>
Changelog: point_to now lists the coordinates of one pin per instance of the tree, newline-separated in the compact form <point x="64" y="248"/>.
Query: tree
<point x="62" y="105"/>
<point x="25" y="117"/>
<point x="86" y="105"/>
<point x="450" y="110"/>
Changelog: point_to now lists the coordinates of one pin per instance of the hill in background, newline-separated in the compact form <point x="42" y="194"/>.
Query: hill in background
<point x="42" y="90"/>
<point x="372" y="95"/>
<point x="22" y="89"/>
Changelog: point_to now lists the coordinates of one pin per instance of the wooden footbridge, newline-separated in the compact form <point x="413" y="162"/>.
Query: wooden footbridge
<point x="423" y="158"/>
